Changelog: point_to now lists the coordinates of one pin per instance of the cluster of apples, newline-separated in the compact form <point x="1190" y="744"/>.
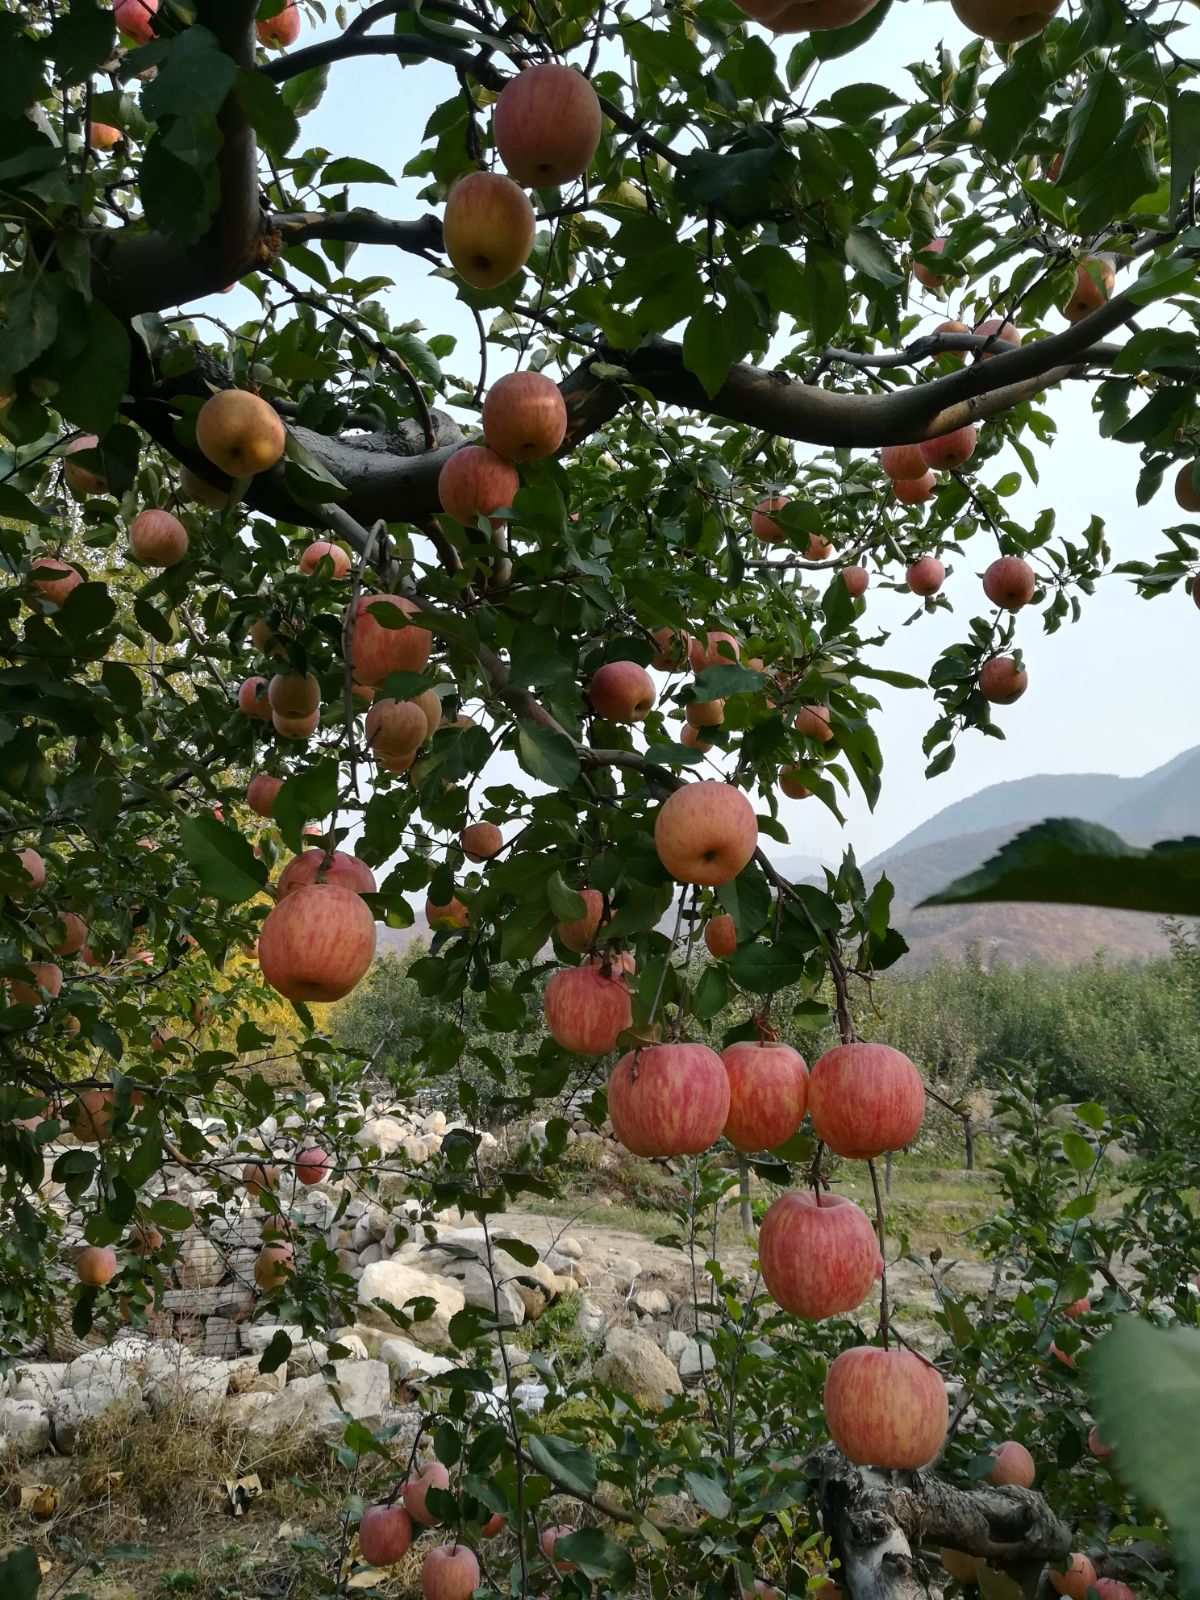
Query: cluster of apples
<point x="276" y="1259"/>
<point x="547" y="125"/>
<point x="318" y="940"/>
<point x="135" y="22"/>
<point x="449" y="1571"/>
<point x="66" y="934"/>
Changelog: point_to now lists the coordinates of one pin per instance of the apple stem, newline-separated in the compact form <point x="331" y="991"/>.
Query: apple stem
<point x="880" y="1229"/>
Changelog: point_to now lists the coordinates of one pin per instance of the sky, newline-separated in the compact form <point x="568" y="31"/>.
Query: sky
<point x="1105" y="694"/>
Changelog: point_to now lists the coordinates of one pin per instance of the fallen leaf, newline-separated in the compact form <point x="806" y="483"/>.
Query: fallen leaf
<point x="39" y="1500"/>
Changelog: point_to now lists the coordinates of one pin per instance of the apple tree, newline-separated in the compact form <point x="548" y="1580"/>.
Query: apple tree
<point x="540" y="631"/>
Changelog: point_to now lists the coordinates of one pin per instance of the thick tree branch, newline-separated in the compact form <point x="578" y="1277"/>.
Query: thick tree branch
<point x="139" y="270"/>
<point x="360" y="227"/>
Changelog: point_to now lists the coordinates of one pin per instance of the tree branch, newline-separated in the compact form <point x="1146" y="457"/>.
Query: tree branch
<point x="360" y="227"/>
<point x="416" y="45"/>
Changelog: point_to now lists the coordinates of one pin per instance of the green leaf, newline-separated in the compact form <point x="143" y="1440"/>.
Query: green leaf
<point x="81" y="40"/>
<point x="708" y="346"/>
<point x="1068" y="862"/>
<point x="1093" y="124"/>
<point x="568" y="1465"/>
<point x="765" y="968"/>
<point x="351" y="169"/>
<point x="711" y="995"/>
<point x="192" y="80"/>
<point x="547" y="755"/>
<point x="20" y="1575"/>
<point x="566" y="904"/>
<point x="719" y="682"/>
<point x="1078" y="1151"/>
<point x="708" y="1492"/>
<point x="268" y="113"/>
<point x="596" y="1555"/>
<point x="171" y="1215"/>
<point x="856" y="102"/>
<point x="304" y="93"/>
<point x="866" y="254"/>
<point x="304" y="796"/>
<point x="1183" y="127"/>
<point x="1169" y="275"/>
<point x="276" y="1353"/>
<point x="833" y="42"/>
<point x="223" y="860"/>
<point x="526" y="1254"/>
<point x="1146" y="1388"/>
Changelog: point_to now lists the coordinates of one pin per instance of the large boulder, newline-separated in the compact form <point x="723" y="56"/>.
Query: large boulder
<point x="395" y="1283"/>
<point x="24" y="1427"/>
<point x="73" y="1409"/>
<point x="40" y="1381"/>
<point x="196" y="1388"/>
<point x="504" y="1301"/>
<point x="382" y="1133"/>
<point x="637" y="1367"/>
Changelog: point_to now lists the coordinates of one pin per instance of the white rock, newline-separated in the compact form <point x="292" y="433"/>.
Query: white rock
<point x="418" y="1150"/>
<point x="369" y="1254"/>
<point x="625" y="1271"/>
<point x="238" y="1409"/>
<point x="695" y="1360"/>
<point x="505" y="1301"/>
<point x="256" y="1336"/>
<point x="435" y="1122"/>
<point x="200" y="1264"/>
<point x="652" y="1303"/>
<point x="396" y="1283"/>
<point x="73" y="1408"/>
<point x="676" y="1343"/>
<point x="590" y="1320"/>
<point x="636" y="1366"/>
<point x="24" y="1427"/>
<point x="354" y="1348"/>
<point x="245" y="1377"/>
<point x="308" y="1356"/>
<point x="407" y="1360"/>
<point x="105" y="1367"/>
<point x="361" y="1390"/>
<point x="382" y="1133"/>
<point x="196" y="1388"/>
<point x="39" y="1382"/>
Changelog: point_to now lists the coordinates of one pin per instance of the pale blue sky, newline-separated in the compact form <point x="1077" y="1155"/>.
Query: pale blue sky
<point x="1107" y="694"/>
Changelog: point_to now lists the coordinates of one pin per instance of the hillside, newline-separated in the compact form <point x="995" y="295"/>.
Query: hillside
<point x="1162" y="804"/>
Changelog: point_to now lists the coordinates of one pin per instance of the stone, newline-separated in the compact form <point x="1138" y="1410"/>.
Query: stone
<point x="221" y="1338"/>
<point x="39" y="1382"/>
<point x="382" y="1133"/>
<point x="408" y="1361"/>
<point x="676" y="1343"/>
<point x="435" y="1122"/>
<point x="505" y="1301"/>
<point x="238" y="1409"/>
<point x="310" y="1405"/>
<point x="112" y="1367"/>
<point x="418" y="1150"/>
<point x="371" y="1339"/>
<point x="695" y="1360"/>
<point x="533" y="1298"/>
<point x="74" y="1408"/>
<point x="637" y="1367"/>
<point x="652" y="1303"/>
<point x="192" y="1302"/>
<point x="200" y="1264"/>
<point x="369" y="1254"/>
<point x="245" y="1377"/>
<point x="590" y="1320"/>
<point x="24" y="1427"/>
<point x="625" y="1271"/>
<point x="197" y="1388"/>
<point x="308" y="1356"/>
<point x="352" y="1349"/>
<point x="396" y="1283"/>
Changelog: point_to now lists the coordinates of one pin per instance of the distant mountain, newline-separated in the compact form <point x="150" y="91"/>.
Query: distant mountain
<point x="1162" y="804"/>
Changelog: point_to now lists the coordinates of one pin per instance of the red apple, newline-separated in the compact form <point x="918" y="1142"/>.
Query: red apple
<point x="294" y="694"/>
<point x="914" y="491"/>
<point x="857" y="580"/>
<point x="317" y="943"/>
<point x="239" y="433"/>
<point x="35" y="871"/>
<point x="96" y="1265"/>
<point x="586" y="1011"/>
<point x="475" y="482"/>
<point x="47" y="977"/>
<point x="926" y="575"/>
<point x="950" y="450"/>
<point x="74" y="933"/>
<point x="376" y="650"/>
<point x="1097" y="1446"/>
<point x="547" y="125"/>
<point x="81" y="480"/>
<point x="1001" y="681"/>
<point x="672" y="648"/>
<point x="763" y="525"/>
<point x="313" y="1164"/>
<point x="262" y="792"/>
<point x="487" y="228"/>
<point x="145" y="1239"/>
<point x="524" y="415"/>
<point x="322" y="550"/>
<point x="705" y="713"/>
<point x="622" y="691"/>
<point x="705" y="833"/>
<point x="450" y="1572"/>
<point x="281" y="29"/>
<point x="452" y="915"/>
<point x="886" y="1408"/>
<point x="495" y="1524"/>
<point x="384" y="1535"/>
<point x="1063" y="1357"/>
<point x="813" y="722"/>
<point x="902" y="461"/>
<point x="791" y="783"/>
<point x="1186" y="493"/>
<point x="433" y="1475"/>
<point x="135" y="18"/>
<point x="1012" y="1463"/>
<point x="720" y="935"/>
<point x="1009" y="583"/>
<point x="54" y="580"/>
<point x="580" y="933"/>
<point x="1077" y="1308"/>
<point x="1005" y="21"/>
<point x="396" y="727"/>
<point x="347" y="872"/>
<point x="259" y="1177"/>
<point x="480" y="841"/>
<point x="274" y="1266"/>
<point x="296" y="727"/>
<point x="1094" y="283"/>
<point x="1113" y="1589"/>
<point x="864" y="1099"/>
<point x="668" y="1099"/>
<point x="252" y="699"/>
<point x="103" y="136"/>
<point x="91" y="1118"/>
<point x="1076" y="1579"/>
<point x="693" y="739"/>
<point x="819" y="1255"/>
<point x="157" y="539"/>
<point x="716" y="649"/>
<point x="805" y="16"/>
<point x="768" y="1093"/>
<point x="548" y="1541"/>
<point x="924" y="274"/>
<point x="1002" y="333"/>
